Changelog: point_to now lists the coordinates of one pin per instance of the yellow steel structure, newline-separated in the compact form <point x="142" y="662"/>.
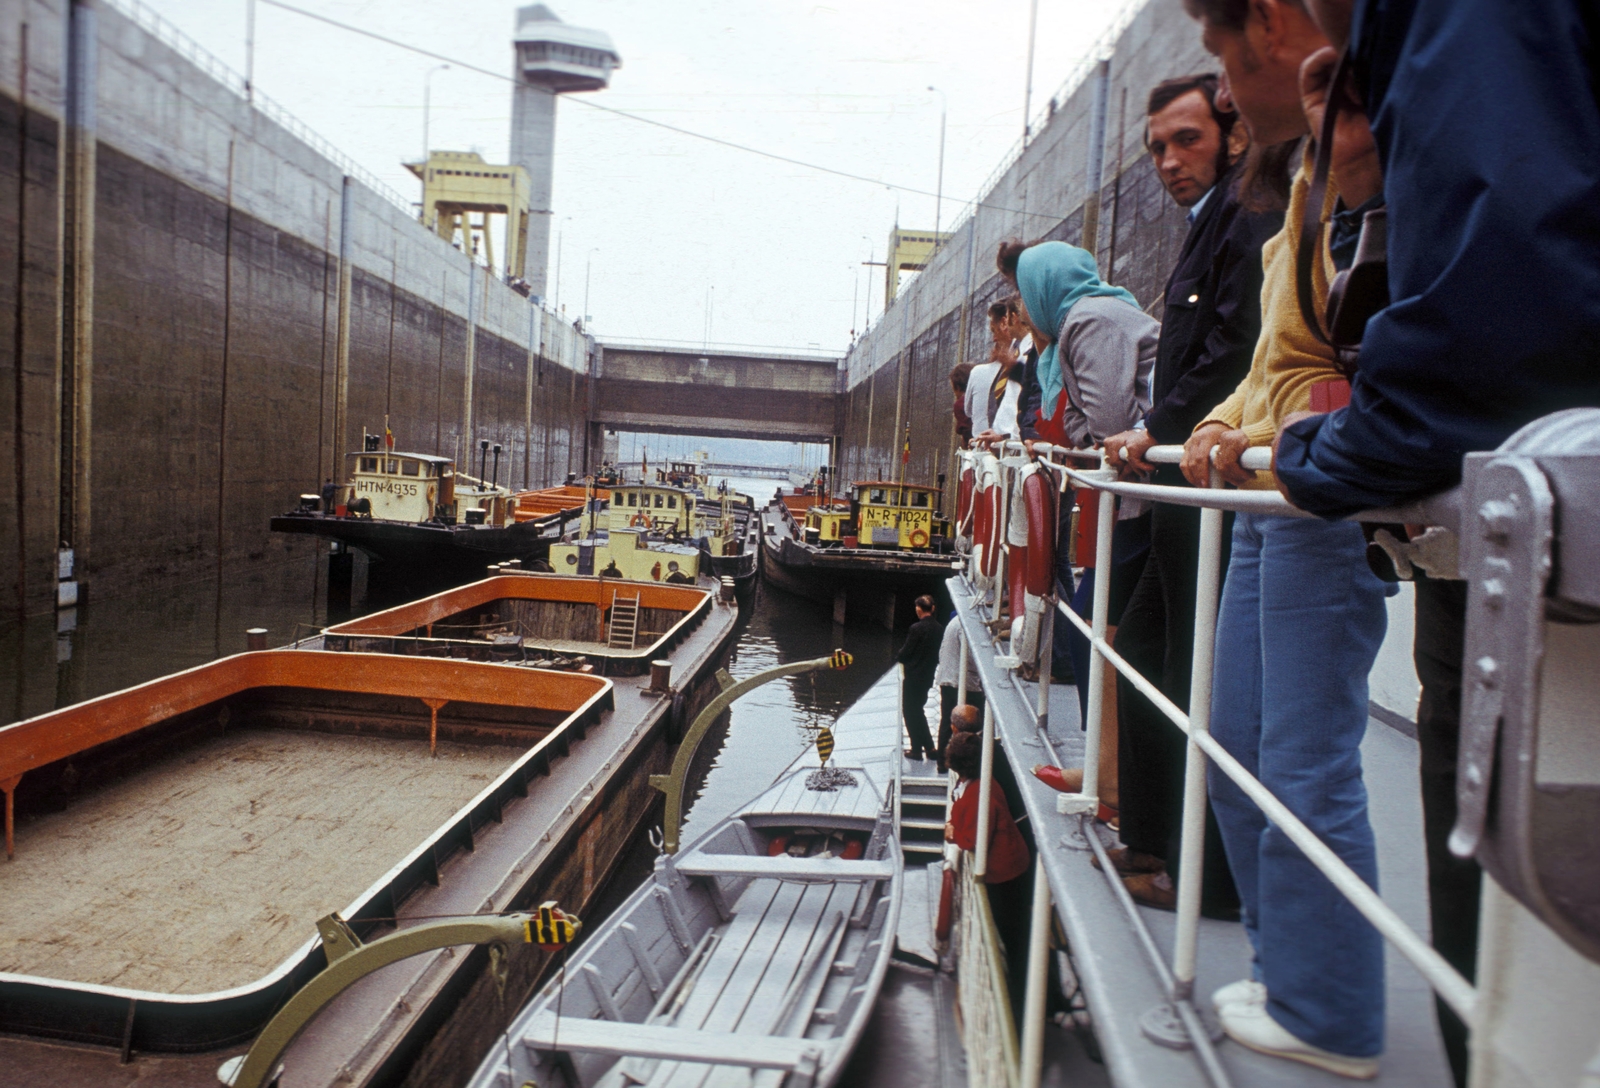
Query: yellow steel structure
<point x="456" y="184"/>
<point x="909" y="251"/>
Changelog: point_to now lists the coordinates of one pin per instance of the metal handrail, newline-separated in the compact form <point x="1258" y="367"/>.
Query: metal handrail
<point x="1448" y="983"/>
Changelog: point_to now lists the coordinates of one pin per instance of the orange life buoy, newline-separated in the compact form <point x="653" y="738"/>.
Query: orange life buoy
<point x="919" y="538"/>
<point x="1039" y="496"/>
<point x="990" y="531"/>
<point x="641" y="520"/>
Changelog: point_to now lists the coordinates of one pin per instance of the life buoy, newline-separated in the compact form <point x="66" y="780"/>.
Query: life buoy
<point x="990" y="531"/>
<point x="919" y="538"/>
<point x="1039" y="498"/>
<point x="964" y="500"/>
<point x="1088" y="527"/>
<point x="947" y="894"/>
<point x="1016" y="568"/>
<point x="641" y="520"/>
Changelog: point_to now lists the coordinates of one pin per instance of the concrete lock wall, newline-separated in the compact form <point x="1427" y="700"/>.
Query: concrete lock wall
<point x="897" y="373"/>
<point x="182" y="349"/>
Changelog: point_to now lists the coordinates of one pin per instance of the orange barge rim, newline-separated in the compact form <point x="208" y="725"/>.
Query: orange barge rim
<point x="95" y="1012"/>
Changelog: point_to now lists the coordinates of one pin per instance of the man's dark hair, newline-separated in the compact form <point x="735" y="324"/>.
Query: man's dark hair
<point x="964" y="754"/>
<point x="1168" y="91"/>
<point x="1000" y="309"/>
<point x="959" y="374"/>
<point x="925" y="603"/>
<point x="1009" y="253"/>
<point x="1225" y="14"/>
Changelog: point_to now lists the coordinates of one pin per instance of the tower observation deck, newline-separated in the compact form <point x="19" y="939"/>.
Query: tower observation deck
<point x="552" y="58"/>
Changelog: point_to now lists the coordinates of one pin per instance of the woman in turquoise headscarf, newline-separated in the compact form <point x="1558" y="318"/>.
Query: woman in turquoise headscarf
<point x="1097" y="352"/>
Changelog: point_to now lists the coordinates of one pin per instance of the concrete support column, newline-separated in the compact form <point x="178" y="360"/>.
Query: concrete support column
<point x="533" y="133"/>
<point x="341" y="366"/>
<point x="75" y="372"/>
<point x="465" y="446"/>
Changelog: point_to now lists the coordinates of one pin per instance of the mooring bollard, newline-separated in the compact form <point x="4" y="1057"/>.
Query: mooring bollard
<point x="256" y="638"/>
<point x="660" y="677"/>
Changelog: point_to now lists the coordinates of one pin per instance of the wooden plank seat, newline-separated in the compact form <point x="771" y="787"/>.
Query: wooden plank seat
<point x="670" y="1043"/>
<point x="785" y="868"/>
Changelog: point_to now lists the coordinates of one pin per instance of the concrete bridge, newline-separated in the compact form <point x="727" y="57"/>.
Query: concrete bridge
<point x="725" y="468"/>
<point x="718" y="393"/>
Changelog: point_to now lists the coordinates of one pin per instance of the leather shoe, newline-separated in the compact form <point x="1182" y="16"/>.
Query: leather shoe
<point x="1128" y="861"/>
<point x="1152" y="890"/>
<point x="1252" y="1026"/>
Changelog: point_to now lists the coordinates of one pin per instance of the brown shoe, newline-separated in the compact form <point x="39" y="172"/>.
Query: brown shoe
<point x="1128" y="861"/>
<point x="1152" y="890"/>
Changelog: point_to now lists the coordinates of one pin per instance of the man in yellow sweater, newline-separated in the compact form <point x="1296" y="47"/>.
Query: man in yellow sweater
<point x="1300" y="624"/>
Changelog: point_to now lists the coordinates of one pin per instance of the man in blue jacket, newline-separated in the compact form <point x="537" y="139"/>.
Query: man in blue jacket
<point x="1488" y="134"/>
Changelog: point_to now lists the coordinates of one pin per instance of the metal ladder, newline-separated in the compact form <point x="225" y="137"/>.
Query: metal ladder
<point x="623" y="632"/>
<point x="922" y="813"/>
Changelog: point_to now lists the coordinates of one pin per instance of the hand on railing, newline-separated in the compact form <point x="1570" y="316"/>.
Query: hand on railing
<point x="1216" y="445"/>
<point x="1126" y="451"/>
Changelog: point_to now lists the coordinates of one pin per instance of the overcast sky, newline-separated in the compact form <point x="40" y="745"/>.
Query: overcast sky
<point x="658" y="220"/>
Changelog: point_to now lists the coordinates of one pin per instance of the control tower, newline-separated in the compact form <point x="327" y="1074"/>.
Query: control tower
<point x="552" y="58"/>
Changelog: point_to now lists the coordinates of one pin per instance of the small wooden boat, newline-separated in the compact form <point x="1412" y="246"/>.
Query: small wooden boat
<point x="754" y="956"/>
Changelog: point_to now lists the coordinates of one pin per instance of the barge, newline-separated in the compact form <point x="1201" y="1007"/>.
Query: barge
<point x="822" y="557"/>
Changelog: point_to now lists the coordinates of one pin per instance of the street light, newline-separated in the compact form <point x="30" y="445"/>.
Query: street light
<point x="588" y="265"/>
<point x="938" y="200"/>
<point x="427" y="106"/>
<point x="561" y="231"/>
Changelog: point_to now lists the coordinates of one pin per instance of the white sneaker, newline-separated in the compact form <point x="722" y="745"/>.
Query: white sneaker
<point x="1247" y="991"/>
<point x="1251" y="1026"/>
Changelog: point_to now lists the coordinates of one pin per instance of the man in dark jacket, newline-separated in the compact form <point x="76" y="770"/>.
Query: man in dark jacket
<point x="1208" y="335"/>
<point x="1452" y="366"/>
<point x="920" y="656"/>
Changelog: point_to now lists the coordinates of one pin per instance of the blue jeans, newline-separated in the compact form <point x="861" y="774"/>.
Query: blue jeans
<point x="1301" y="621"/>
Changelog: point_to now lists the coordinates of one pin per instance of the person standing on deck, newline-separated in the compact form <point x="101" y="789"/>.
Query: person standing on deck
<point x="1098" y="349"/>
<point x="1301" y="620"/>
<point x="1454" y="369"/>
<point x="948" y="677"/>
<point x="920" y="659"/>
<point x="980" y="383"/>
<point x="1208" y="334"/>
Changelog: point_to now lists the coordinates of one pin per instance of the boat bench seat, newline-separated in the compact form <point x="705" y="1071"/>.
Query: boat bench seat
<point x="786" y="868"/>
<point x="671" y="1044"/>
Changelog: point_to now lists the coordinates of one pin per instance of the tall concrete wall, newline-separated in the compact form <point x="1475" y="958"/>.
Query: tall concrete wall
<point x="193" y="352"/>
<point x="897" y="372"/>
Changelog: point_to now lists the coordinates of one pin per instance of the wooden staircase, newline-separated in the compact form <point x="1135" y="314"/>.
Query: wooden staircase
<point x="623" y="631"/>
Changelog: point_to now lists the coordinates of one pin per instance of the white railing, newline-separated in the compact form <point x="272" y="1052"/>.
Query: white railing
<point x="987" y="1029"/>
<point x="1178" y="977"/>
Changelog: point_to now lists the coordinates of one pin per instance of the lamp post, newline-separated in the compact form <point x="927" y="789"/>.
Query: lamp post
<point x="427" y="107"/>
<point x="588" y="266"/>
<point x="938" y="200"/>
<point x="560" y="234"/>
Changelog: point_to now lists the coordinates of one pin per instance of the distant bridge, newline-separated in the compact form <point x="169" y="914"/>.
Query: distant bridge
<point x="717" y="393"/>
<point x="724" y="468"/>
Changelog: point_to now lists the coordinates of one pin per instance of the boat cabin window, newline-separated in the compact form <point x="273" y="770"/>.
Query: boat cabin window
<point x="672" y="502"/>
<point x="878" y="495"/>
<point x="369" y="464"/>
<point x="410" y="468"/>
<point x="392" y="466"/>
<point x="659" y="499"/>
<point x="920" y="498"/>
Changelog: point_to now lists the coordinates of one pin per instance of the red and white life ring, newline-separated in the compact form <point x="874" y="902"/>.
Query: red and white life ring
<point x="964" y="492"/>
<point x="989" y="530"/>
<point x="1039" y="497"/>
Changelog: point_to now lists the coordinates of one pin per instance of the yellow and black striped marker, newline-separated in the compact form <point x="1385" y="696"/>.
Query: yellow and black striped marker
<point x="839" y="660"/>
<point x="551" y="928"/>
<point x="825" y="743"/>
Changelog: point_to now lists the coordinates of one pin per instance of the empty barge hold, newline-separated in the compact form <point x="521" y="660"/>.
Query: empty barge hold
<point x="861" y="582"/>
<point x="547" y="620"/>
<point x="175" y="842"/>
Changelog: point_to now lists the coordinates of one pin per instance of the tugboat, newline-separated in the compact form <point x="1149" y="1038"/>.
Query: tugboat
<point x="650" y="530"/>
<point x="870" y="556"/>
<point x="416" y="510"/>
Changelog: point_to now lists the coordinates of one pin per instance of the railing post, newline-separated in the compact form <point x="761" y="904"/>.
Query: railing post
<point x="1097" y="666"/>
<point x="1038" y="961"/>
<point x="980" y="853"/>
<point x="966" y="655"/>
<point x="1192" y="849"/>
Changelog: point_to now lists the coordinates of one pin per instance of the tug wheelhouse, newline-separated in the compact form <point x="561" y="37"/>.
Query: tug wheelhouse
<point x="653" y="507"/>
<point x="903" y="517"/>
<point x="392" y="486"/>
